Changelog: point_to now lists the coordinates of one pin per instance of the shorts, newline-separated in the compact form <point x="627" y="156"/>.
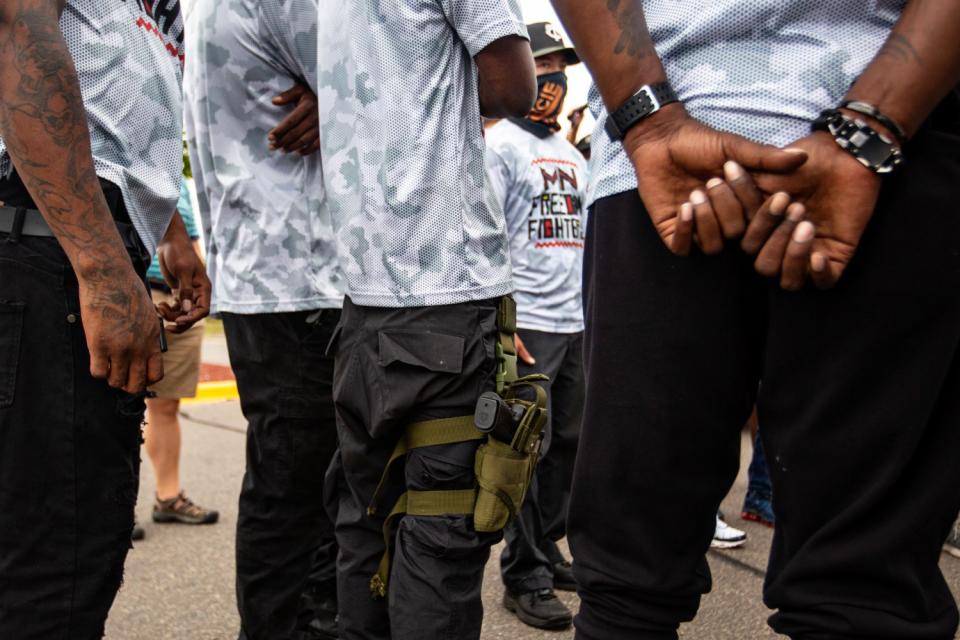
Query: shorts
<point x="181" y="362"/>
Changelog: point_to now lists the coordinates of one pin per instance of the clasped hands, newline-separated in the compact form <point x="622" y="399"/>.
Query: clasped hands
<point x="801" y="211"/>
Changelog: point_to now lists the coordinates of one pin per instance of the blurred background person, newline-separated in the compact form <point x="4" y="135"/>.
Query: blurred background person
<point x="540" y="180"/>
<point x="181" y="373"/>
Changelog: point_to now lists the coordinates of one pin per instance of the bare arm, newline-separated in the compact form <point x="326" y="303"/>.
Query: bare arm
<point x="918" y="64"/>
<point x="508" y="78"/>
<point x="44" y="126"/>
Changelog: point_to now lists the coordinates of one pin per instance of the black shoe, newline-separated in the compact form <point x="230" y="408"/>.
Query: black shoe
<point x="563" y="577"/>
<point x="318" y="615"/>
<point x="541" y="609"/>
<point x="138" y="533"/>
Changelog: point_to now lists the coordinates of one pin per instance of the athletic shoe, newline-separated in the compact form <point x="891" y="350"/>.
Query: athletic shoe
<point x="952" y="545"/>
<point x="138" y="533"/>
<point x="726" y="537"/>
<point x="541" y="609"/>
<point x="563" y="579"/>
<point x="758" y="507"/>
<point x="182" y="509"/>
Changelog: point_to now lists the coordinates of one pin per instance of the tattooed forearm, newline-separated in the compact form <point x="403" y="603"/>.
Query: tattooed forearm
<point x="634" y="39"/>
<point x="899" y="47"/>
<point x="44" y="127"/>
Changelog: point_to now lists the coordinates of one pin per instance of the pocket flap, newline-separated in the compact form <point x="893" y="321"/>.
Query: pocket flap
<point x="432" y="351"/>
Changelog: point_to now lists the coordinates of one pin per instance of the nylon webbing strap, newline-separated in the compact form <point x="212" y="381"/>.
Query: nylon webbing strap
<point x="506" y="349"/>
<point x="418" y="503"/>
<point x="428" y="433"/>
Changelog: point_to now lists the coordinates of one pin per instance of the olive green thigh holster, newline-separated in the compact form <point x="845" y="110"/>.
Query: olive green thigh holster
<point x="504" y="470"/>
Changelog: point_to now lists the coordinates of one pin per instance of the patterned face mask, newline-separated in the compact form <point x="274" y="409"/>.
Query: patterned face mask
<point x="552" y="89"/>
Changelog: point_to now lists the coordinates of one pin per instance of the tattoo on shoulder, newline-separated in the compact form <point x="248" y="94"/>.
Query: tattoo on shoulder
<point x="634" y="39"/>
<point x="899" y="47"/>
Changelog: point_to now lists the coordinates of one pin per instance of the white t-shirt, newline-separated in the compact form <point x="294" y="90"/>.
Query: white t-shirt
<point x="542" y="184"/>
<point x="129" y="60"/>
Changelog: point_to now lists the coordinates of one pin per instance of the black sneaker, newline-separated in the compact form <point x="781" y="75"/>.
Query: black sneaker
<point x="541" y="609"/>
<point x="563" y="577"/>
<point x="138" y="533"/>
<point x="182" y="509"/>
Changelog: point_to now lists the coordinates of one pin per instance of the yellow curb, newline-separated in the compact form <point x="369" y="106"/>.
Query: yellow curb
<point x="214" y="392"/>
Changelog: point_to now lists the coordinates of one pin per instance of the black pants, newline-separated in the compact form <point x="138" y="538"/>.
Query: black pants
<point x="526" y="563"/>
<point x="394" y="367"/>
<point x="69" y="456"/>
<point x="285" y="542"/>
<point x="860" y="408"/>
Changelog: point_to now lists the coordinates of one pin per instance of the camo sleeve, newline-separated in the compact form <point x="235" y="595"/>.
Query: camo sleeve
<point x="481" y="22"/>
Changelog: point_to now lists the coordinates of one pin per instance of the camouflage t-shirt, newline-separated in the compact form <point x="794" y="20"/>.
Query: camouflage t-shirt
<point x="763" y="69"/>
<point x="403" y="149"/>
<point x="270" y="244"/>
<point x="129" y="59"/>
<point x="542" y="183"/>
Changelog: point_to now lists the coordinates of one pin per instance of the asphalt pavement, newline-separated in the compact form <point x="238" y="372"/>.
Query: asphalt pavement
<point x="178" y="582"/>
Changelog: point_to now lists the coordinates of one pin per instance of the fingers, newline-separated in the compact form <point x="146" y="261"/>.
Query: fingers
<point x="168" y="313"/>
<point x="708" y="230"/>
<point x="119" y="370"/>
<point x="729" y="210"/>
<point x="763" y="224"/>
<point x="154" y="368"/>
<point x="312" y="148"/>
<point x="137" y="378"/>
<point x="522" y="352"/>
<point x="302" y="119"/>
<point x="307" y="140"/>
<point x="744" y="188"/>
<point x="683" y="232"/>
<point x="770" y="259"/>
<point x="797" y="259"/>
<point x="824" y="272"/>
<point x="99" y="363"/>
<point x="762" y="157"/>
<point x="290" y="96"/>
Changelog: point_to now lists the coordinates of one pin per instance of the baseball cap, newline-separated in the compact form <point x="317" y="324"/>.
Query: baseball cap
<point x="545" y="37"/>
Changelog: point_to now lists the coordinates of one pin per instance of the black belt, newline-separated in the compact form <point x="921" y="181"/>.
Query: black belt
<point x="32" y="223"/>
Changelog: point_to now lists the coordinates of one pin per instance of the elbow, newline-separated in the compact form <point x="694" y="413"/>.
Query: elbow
<point x="513" y="100"/>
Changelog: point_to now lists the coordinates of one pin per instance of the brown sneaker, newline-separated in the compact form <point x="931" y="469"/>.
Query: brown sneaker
<point x="182" y="509"/>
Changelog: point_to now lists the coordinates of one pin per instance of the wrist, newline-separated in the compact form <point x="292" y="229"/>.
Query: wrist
<point x="657" y="127"/>
<point x="101" y="265"/>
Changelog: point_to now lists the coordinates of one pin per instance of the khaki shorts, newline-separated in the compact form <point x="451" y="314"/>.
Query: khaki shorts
<point x="181" y="362"/>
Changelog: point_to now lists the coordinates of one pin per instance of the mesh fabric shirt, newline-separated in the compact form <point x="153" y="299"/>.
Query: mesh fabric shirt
<point x="764" y="69"/>
<point x="403" y="150"/>
<point x="270" y="243"/>
<point x="129" y="59"/>
<point x="542" y="183"/>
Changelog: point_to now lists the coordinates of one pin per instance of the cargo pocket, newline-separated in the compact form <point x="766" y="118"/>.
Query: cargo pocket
<point x="417" y="367"/>
<point x="11" y="327"/>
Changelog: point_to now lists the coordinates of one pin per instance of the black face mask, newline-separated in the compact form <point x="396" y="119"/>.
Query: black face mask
<point x="551" y="91"/>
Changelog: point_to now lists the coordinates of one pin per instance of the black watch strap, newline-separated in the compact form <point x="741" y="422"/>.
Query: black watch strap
<point x="643" y="104"/>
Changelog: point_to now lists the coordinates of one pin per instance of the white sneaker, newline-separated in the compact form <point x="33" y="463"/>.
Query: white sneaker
<point x="726" y="537"/>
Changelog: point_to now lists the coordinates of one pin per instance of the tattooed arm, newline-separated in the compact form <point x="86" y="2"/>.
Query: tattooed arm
<point x="44" y="126"/>
<point x="672" y="153"/>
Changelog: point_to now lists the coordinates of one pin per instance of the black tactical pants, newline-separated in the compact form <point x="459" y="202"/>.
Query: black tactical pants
<point x="285" y="541"/>
<point x="860" y="407"/>
<point x="69" y="455"/>
<point x="395" y="367"/>
<point x="531" y="551"/>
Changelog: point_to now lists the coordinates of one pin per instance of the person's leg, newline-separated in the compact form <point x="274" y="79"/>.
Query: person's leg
<point x="396" y="367"/>
<point x="672" y="363"/>
<point x="859" y="414"/>
<point x="556" y="476"/>
<point x="523" y="565"/>
<point x="162" y="442"/>
<point x="758" y="502"/>
<point x="285" y="382"/>
<point x="68" y="456"/>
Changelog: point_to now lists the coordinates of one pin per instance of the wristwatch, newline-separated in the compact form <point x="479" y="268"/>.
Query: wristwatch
<point x="641" y="105"/>
<point x="871" y="148"/>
